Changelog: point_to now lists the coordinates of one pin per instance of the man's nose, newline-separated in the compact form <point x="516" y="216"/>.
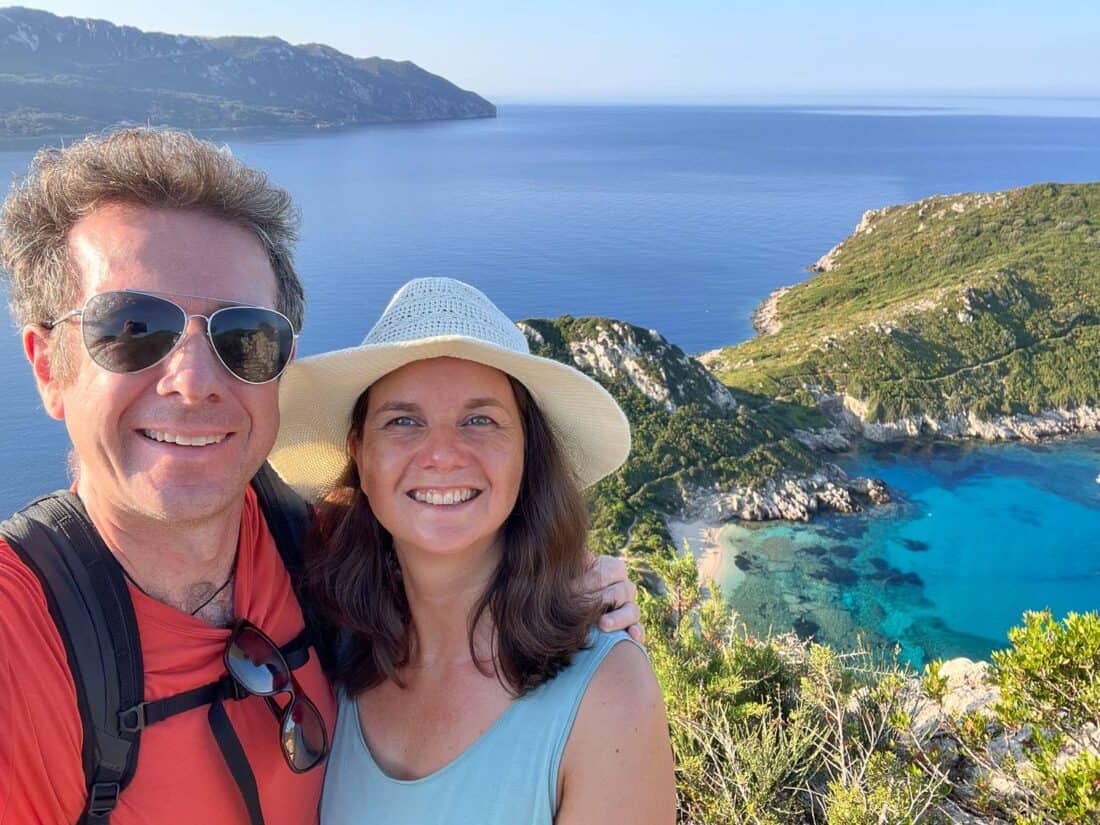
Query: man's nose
<point x="192" y="370"/>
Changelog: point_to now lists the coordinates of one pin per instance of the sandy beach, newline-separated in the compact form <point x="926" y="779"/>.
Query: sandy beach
<point x="704" y="540"/>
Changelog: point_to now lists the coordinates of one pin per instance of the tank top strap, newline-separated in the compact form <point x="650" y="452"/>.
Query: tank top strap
<point x="553" y="706"/>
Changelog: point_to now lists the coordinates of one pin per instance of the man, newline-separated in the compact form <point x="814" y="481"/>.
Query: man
<point x="167" y="431"/>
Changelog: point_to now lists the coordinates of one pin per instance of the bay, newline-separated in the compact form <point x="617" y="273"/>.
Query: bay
<point x="976" y="535"/>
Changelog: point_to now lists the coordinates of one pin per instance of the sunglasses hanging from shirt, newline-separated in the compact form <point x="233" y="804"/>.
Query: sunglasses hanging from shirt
<point x="259" y="668"/>
<point x="127" y="331"/>
<point x="256" y="667"/>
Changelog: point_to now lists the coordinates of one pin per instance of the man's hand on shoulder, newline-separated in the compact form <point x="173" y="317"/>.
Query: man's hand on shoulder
<point x="606" y="577"/>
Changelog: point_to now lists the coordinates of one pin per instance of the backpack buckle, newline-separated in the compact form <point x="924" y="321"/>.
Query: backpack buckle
<point x="133" y="720"/>
<point x="102" y="798"/>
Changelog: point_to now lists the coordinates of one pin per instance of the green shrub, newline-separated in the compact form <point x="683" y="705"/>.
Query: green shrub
<point x="1050" y="681"/>
<point x="777" y="730"/>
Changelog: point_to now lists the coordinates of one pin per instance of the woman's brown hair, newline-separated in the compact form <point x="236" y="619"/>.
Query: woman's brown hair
<point x="538" y="616"/>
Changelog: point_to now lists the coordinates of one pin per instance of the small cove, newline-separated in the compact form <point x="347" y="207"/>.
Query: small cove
<point x="977" y="534"/>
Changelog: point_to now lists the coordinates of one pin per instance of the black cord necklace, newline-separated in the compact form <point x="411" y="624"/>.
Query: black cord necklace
<point x="214" y="595"/>
<point x="211" y="598"/>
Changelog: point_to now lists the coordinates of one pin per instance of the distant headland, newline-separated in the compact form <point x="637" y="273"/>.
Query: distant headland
<point x="67" y="75"/>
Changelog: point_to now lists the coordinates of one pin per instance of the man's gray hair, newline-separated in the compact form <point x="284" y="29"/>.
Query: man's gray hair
<point x="147" y="167"/>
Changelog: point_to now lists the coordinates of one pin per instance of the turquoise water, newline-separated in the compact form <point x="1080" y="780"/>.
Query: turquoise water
<point x="976" y="536"/>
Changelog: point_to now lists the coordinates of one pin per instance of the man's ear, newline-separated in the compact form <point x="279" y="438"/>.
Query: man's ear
<point x="37" y="343"/>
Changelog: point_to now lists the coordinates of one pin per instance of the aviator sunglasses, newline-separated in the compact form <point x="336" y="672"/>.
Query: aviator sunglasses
<point x="129" y="331"/>
<point x="256" y="664"/>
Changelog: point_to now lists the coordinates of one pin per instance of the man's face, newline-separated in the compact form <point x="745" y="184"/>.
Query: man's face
<point x="122" y="425"/>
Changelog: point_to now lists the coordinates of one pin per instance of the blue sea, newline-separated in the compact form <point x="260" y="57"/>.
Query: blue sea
<point x="683" y="219"/>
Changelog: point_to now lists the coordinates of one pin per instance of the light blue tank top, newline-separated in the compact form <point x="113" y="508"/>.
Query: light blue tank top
<point x="509" y="776"/>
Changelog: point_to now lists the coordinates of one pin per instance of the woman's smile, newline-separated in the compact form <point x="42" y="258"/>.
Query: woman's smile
<point x="445" y="498"/>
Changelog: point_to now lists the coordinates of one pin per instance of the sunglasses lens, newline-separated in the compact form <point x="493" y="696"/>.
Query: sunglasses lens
<point x="256" y="663"/>
<point x="254" y="343"/>
<point x="303" y="735"/>
<point x="127" y="332"/>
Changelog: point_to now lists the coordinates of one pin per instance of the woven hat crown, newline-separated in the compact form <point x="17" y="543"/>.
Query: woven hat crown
<point x="436" y="307"/>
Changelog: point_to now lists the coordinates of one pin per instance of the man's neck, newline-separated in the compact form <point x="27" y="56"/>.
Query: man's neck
<point x="181" y="564"/>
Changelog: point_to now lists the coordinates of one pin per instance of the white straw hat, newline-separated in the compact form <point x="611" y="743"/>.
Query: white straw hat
<point x="431" y="318"/>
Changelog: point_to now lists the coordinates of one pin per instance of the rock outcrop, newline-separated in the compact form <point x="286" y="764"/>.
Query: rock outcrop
<point x="989" y="777"/>
<point x="618" y="351"/>
<point x="765" y="318"/>
<point x="794" y="498"/>
<point x="848" y="416"/>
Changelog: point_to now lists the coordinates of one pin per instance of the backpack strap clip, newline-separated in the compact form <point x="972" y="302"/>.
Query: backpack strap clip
<point x="102" y="799"/>
<point x="133" y="719"/>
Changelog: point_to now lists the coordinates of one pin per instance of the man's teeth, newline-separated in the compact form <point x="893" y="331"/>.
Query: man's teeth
<point x="449" y="497"/>
<point x="184" y="440"/>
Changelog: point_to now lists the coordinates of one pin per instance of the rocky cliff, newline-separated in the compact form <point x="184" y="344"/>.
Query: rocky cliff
<point x="620" y="352"/>
<point x="697" y="451"/>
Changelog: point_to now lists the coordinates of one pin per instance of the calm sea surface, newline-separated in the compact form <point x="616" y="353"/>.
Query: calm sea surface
<point x="681" y="219"/>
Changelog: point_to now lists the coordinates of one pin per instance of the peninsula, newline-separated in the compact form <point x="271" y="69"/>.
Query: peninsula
<point x="959" y="316"/>
<point x="67" y="75"/>
<point x="974" y="315"/>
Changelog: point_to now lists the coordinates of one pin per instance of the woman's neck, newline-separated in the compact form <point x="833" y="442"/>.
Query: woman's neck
<point x="443" y="592"/>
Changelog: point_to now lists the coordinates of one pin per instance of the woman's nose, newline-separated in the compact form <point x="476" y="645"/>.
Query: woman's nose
<point x="442" y="449"/>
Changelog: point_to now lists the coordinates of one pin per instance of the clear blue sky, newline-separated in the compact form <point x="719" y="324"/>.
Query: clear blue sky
<point x="667" y="51"/>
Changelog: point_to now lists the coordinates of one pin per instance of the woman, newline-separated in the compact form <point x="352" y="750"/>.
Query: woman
<point x="474" y="688"/>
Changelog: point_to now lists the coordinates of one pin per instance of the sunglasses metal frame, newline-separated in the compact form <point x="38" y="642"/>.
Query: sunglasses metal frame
<point x="292" y="687"/>
<point x="166" y="297"/>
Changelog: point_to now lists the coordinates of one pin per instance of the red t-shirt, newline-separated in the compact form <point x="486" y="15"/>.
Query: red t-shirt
<point x="181" y="776"/>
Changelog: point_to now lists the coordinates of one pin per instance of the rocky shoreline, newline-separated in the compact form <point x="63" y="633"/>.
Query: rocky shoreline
<point x="790" y="497"/>
<point x="847" y="413"/>
<point x="765" y="318"/>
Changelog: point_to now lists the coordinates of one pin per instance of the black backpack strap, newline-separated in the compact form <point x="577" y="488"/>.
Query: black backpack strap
<point x="288" y="518"/>
<point x="90" y="605"/>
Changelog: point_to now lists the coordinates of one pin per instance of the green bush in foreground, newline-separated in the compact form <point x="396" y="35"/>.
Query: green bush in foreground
<point x="1050" y="682"/>
<point x="785" y="731"/>
<point x="777" y="730"/>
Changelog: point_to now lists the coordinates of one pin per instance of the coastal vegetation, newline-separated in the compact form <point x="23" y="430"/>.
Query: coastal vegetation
<point x="782" y="730"/>
<point x="686" y="435"/>
<point x="960" y="306"/>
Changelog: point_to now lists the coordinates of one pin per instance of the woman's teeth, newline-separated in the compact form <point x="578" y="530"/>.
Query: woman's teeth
<point x="449" y="497"/>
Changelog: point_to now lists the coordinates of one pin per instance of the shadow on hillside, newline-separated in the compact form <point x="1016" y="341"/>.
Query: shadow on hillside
<point x="783" y="416"/>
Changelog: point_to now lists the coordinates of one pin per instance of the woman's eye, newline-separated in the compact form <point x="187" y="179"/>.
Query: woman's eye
<point x="402" y="421"/>
<point x="480" y="420"/>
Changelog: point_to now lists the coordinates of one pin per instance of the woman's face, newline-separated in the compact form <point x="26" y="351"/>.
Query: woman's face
<point x="441" y="454"/>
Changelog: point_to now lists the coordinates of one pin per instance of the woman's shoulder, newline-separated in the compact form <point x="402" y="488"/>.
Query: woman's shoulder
<point x="618" y="761"/>
<point x="623" y="678"/>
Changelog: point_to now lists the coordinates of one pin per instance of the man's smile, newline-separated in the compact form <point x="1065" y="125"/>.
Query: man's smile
<point x="185" y="440"/>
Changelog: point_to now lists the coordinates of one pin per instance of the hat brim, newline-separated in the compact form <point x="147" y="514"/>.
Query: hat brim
<point x="316" y="396"/>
